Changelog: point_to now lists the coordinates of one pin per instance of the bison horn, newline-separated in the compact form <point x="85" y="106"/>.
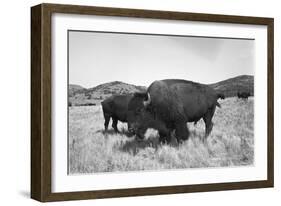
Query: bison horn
<point x="148" y="101"/>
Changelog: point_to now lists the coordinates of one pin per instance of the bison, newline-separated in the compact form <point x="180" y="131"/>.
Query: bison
<point x="220" y="96"/>
<point x="168" y="105"/>
<point x="243" y="95"/>
<point x="115" y="107"/>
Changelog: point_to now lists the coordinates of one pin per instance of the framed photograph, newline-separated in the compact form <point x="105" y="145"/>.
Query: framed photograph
<point x="128" y="102"/>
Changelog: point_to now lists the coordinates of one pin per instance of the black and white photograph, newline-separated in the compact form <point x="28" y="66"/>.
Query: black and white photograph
<point x="149" y="102"/>
<point x="134" y="102"/>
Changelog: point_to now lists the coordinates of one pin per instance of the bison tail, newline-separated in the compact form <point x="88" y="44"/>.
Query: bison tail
<point x="218" y="105"/>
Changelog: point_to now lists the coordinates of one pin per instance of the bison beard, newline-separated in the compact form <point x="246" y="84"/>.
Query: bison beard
<point x="168" y="105"/>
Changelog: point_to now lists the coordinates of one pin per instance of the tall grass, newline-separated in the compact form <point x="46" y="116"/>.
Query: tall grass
<point x="231" y="143"/>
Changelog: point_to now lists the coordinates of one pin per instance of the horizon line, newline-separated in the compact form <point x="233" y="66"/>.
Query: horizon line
<point x="150" y="83"/>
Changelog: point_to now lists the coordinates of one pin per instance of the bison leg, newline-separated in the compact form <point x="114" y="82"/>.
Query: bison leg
<point x="208" y="121"/>
<point x="208" y="128"/>
<point x="106" y="121"/>
<point x="164" y="137"/>
<point x="114" y="124"/>
<point x="164" y="134"/>
<point x="182" y="132"/>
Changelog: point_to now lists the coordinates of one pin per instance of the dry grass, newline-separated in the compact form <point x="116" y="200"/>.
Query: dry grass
<point x="231" y="143"/>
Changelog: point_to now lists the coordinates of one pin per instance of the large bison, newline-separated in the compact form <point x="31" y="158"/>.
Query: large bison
<point x="219" y="96"/>
<point x="243" y="95"/>
<point x="115" y="107"/>
<point x="168" y="105"/>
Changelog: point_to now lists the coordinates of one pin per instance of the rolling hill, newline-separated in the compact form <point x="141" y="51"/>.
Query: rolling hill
<point x="230" y="87"/>
<point x="73" y="88"/>
<point x="96" y="94"/>
<point x="80" y="96"/>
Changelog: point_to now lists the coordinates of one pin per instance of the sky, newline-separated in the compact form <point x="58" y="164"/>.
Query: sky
<point x="96" y="58"/>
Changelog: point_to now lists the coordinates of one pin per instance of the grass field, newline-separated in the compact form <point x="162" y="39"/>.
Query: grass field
<point x="231" y="142"/>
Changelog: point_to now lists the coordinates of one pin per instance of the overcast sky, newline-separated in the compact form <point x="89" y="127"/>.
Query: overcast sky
<point x="96" y="58"/>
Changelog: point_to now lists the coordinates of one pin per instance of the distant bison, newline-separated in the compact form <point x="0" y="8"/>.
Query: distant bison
<point x="243" y="95"/>
<point x="168" y="105"/>
<point x="115" y="107"/>
<point x="220" y="96"/>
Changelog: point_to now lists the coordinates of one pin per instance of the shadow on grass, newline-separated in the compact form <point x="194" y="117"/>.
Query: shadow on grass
<point x="112" y="132"/>
<point x="134" y="146"/>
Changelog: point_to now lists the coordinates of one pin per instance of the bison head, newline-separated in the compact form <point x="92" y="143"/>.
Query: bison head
<point x="138" y="114"/>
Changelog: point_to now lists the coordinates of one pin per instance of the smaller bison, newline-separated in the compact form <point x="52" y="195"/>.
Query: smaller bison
<point x="115" y="107"/>
<point x="243" y="95"/>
